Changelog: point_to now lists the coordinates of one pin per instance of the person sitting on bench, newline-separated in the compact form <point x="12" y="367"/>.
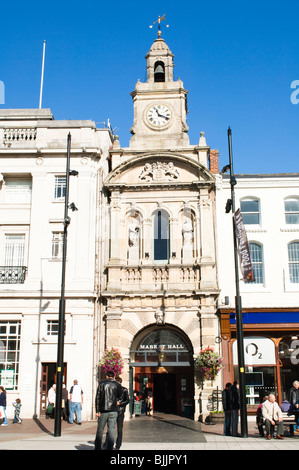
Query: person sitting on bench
<point x="272" y="415"/>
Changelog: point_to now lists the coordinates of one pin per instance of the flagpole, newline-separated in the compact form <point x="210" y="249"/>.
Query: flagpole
<point x="238" y="303"/>
<point x="42" y="77"/>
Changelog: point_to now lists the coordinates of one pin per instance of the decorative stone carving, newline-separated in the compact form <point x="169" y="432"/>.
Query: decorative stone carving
<point x="187" y="232"/>
<point x="133" y="233"/>
<point x="159" y="171"/>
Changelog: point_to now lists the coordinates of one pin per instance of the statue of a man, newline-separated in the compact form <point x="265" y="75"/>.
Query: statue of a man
<point x="187" y="232"/>
<point x="133" y="233"/>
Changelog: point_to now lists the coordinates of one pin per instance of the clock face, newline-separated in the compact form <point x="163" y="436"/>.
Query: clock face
<point x="158" y="115"/>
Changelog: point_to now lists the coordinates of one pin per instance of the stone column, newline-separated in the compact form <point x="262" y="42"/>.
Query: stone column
<point x="115" y="210"/>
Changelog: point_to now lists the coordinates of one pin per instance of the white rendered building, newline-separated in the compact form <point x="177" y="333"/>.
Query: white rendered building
<point x="33" y="150"/>
<point x="269" y="205"/>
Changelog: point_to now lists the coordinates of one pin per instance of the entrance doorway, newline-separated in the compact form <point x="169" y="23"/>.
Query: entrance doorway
<point x="162" y="360"/>
<point x="165" y="393"/>
<point x="48" y="378"/>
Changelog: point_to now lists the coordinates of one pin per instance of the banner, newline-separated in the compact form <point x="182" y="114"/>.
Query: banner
<point x="243" y="248"/>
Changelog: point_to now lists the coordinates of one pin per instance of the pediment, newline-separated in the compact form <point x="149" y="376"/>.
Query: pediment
<point x="161" y="169"/>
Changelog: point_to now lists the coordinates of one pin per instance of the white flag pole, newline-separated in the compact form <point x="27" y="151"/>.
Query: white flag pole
<point x="42" y="77"/>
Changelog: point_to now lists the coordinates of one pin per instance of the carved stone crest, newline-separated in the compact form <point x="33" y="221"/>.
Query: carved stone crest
<point x="159" y="171"/>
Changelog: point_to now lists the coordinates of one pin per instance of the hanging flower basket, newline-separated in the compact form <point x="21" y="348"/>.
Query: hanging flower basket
<point x="209" y="363"/>
<point x="112" y="361"/>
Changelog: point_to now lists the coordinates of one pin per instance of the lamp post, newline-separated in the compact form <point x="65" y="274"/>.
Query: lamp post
<point x="60" y="343"/>
<point x="230" y="205"/>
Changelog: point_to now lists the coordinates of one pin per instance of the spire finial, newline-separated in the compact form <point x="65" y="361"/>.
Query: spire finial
<point x="159" y="26"/>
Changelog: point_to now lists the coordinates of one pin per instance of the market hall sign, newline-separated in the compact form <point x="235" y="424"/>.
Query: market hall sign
<point x="154" y="347"/>
<point x="166" y="340"/>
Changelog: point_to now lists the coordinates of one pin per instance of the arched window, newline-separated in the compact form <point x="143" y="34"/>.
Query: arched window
<point x="293" y="251"/>
<point x="159" y="72"/>
<point x="291" y="207"/>
<point x="161" y="235"/>
<point x="250" y="209"/>
<point x="256" y="254"/>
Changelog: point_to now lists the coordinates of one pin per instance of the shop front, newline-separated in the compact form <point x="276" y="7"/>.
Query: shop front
<point x="271" y="352"/>
<point x="162" y="361"/>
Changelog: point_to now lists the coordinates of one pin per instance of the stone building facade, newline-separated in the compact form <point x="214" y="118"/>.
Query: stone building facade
<point x="160" y="272"/>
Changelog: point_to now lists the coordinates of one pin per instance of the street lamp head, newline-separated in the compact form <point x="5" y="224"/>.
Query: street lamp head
<point x="73" y="206"/>
<point x="225" y="169"/>
<point x="73" y="173"/>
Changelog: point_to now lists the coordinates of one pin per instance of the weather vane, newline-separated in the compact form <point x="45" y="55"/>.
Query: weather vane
<point x="159" y="27"/>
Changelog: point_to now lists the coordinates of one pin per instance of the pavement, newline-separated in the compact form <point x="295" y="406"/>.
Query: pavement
<point x="142" y="434"/>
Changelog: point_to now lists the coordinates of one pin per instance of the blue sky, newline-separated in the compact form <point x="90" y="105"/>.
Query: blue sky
<point x="237" y="59"/>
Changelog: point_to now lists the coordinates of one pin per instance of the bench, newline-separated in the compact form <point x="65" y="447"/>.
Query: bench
<point x="288" y="420"/>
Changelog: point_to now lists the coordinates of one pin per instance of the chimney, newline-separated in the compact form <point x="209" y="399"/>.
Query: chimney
<point x="214" y="161"/>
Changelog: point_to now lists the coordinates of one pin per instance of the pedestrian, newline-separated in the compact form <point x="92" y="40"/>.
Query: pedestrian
<point x="51" y="402"/>
<point x="259" y="417"/>
<point x="17" y="410"/>
<point x="108" y="397"/>
<point x="123" y="402"/>
<point x="294" y="410"/>
<point x="3" y="406"/>
<point x="272" y="415"/>
<point x="148" y="401"/>
<point x="286" y="407"/>
<point x="294" y="400"/>
<point x="235" y="408"/>
<point x="227" y="400"/>
<point x="75" y="402"/>
<point x="64" y="404"/>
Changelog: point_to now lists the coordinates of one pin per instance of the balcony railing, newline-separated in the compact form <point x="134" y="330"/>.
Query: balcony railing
<point x="12" y="274"/>
<point x="151" y="278"/>
<point x="17" y="135"/>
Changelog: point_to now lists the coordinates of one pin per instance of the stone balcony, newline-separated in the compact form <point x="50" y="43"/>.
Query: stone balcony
<point x="154" y="278"/>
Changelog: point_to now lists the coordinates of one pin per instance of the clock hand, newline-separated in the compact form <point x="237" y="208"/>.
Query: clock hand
<point x="162" y="115"/>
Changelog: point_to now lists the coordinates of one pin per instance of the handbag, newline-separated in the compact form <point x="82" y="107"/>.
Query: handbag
<point x="50" y="408"/>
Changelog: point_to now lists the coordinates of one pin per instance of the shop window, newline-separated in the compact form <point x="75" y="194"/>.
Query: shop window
<point x="289" y="363"/>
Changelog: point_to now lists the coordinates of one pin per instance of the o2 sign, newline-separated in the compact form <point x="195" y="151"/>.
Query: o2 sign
<point x="257" y="351"/>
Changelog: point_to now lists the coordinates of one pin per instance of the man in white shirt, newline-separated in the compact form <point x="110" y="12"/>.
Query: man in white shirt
<point x="272" y="415"/>
<point x="75" y="402"/>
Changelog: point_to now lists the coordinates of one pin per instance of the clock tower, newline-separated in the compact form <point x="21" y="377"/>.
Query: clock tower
<point x="160" y="285"/>
<point x="160" y="104"/>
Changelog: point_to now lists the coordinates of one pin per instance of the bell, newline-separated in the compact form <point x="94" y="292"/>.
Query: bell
<point x="159" y="73"/>
<point x="159" y="69"/>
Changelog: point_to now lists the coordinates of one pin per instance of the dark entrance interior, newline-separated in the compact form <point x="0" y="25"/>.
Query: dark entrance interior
<point x="165" y="398"/>
<point x="48" y="378"/>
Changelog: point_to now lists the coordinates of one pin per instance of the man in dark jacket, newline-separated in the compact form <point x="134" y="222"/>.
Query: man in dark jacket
<point x="108" y="395"/>
<point x="123" y="402"/>
<point x="294" y="401"/>
<point x="227" y="403"/>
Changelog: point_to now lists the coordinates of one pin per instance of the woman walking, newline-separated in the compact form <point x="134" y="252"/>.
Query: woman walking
<point x="3" y="405"/>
